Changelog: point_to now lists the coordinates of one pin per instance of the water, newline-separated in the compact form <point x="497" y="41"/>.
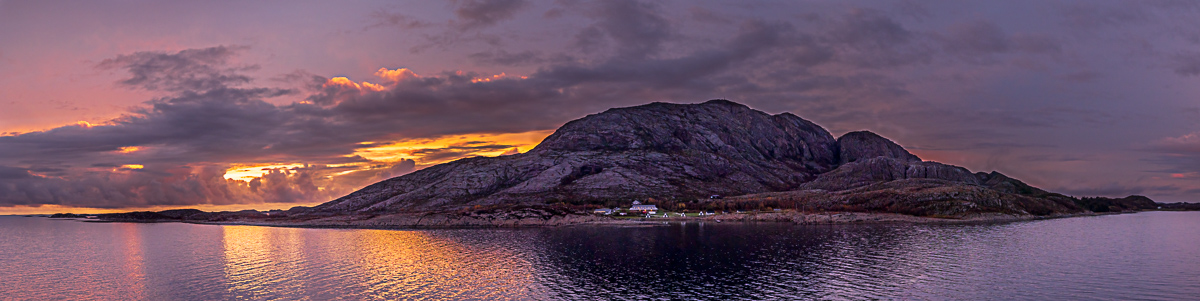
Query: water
<point x="1144" y="256"/>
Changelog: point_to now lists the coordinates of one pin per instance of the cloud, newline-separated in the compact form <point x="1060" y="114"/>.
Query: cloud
<point x="12" y="173"/>
<point x="869" y="38"/>
<point x="870" y="29"/>
<point x="1187" y="64"/>
<point x="702" y="14"/>
<point x="390" y="19"/>
<point x="1094" y="16"/>
<point x="186" y="70"/>
<point x="638" y="29"/>
<point x="482" y="13"/>
<point x="504" y="58"/>
<point x="1188" y="144"/>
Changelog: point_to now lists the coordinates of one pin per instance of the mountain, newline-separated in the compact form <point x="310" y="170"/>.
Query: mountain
<point x="689" y="152"/>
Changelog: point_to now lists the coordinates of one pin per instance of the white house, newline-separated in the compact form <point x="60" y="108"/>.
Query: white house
<point x="644" y="209"/>
<point x="604" y="211"/>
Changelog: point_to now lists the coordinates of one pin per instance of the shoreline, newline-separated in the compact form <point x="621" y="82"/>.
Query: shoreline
<point x="444" y="221"/>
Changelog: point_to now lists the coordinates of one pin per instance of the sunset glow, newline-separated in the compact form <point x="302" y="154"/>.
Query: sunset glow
<point x="250" y="172"/>
<point x="468" y="144"/>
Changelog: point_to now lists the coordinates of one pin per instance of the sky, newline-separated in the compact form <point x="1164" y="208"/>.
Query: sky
<point x="120" y="105"/>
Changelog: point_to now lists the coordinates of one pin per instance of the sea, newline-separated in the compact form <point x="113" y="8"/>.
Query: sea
<point x="1142" y="256"/>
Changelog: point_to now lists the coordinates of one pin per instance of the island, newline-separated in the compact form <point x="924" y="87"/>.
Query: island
<point x="718" y="160"/>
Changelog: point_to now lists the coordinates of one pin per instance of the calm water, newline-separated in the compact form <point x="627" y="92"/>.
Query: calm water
<point x="1150" y="256"/>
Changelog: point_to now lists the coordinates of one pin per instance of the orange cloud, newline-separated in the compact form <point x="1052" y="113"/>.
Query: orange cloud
<point x="343" y="82"/>
<point x="396" y="75"/>
<point x="346" y="83"/>
<point x="408" y="149"/>
<point x="502" y="75"/>
<point x="252" y="171"/>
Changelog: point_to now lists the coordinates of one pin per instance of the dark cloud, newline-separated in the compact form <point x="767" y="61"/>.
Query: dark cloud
<point x="590" y="40"/>
<point x="504" y="58"/>
<point x="977" y="38"/>
<point x="1082" y="76"/>
<point x="186" y="70"/>
<point x="390" y="19"/>
<point x="980" y="41"/>
<point x="702" y="14"/>
<point x="1182" y="145"/>
<point x="638" y="29"/>
<point x="1187" y="64"/>
<point x="870" y="29"/>
<point x="482" y="13"/>
<point x="1093" y="15"/>
<point x="13" y="173"/>
<point x="871" y="39"/>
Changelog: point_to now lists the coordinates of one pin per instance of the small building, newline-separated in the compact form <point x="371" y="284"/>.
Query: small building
<point x="604" y="211"/>
<point x="644" y="208"/>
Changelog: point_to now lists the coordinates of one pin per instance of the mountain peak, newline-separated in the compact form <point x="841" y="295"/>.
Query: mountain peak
<point x="860" y="145"/>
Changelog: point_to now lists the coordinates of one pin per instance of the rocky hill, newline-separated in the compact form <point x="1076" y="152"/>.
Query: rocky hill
<point x="689" y="152"/>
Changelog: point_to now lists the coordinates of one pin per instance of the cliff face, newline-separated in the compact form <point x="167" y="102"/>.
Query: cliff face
<point x="692" y="151"/>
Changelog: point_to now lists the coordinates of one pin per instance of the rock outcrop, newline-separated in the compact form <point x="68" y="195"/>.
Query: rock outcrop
<point x="854" y="146"/>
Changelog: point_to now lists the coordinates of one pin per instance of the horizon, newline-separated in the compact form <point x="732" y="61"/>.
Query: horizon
<point x="113" y="108"/>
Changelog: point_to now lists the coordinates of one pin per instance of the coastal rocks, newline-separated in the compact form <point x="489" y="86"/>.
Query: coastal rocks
<point x="67" y="215"/>
<point x="1125" y="204"/>
<point x="883" y="169"/>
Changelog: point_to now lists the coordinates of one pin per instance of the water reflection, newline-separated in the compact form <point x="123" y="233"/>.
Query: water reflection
<point x="733" y="261"/>
<point x="133" y="265"/>
<point x="1142" y="256"/>
<point x="281" y="263"/>
<point x="263" y="262"/>
<point x="409" y="264"/>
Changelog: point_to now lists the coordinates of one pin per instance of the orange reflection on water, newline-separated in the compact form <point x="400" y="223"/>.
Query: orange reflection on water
<point x="290" y="263"/>
<point x="134" y="267"/>
<point x="262" y="261"/>
<point x="416" y="265"/>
